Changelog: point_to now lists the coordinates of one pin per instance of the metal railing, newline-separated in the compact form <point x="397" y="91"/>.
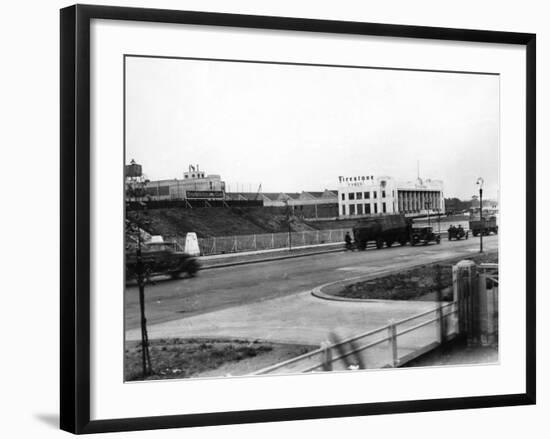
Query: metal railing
<point x="433" y="327"/>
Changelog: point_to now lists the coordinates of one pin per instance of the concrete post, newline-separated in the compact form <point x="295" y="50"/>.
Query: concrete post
<point x="392" y="335"/>
<point x="465" y="283"/>
<point x="478" y="303"/>
<point x="327" y="356"/>
<point x="488" y="307"/>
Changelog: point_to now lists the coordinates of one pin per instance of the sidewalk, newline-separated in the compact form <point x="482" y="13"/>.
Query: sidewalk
<point x="230" y="259"/>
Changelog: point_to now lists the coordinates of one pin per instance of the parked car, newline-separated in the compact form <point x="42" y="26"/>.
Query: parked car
<point x="457" y="233"/>
<point x="160" y="258"/>
<point x="424" y="235"/>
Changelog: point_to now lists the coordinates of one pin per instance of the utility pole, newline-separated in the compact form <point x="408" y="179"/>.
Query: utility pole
<point x="480" y="183"/>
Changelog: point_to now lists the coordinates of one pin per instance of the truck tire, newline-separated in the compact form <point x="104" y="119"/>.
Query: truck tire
<point x="379" y="243"/>
<point x="389" y="242"/>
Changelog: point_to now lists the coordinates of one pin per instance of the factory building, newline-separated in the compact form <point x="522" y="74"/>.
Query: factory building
<point x="369" y="195"/>
<point x="195" y="184"/>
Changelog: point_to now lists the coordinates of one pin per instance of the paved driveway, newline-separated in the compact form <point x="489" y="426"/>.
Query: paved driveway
<point x="297" y="318"/>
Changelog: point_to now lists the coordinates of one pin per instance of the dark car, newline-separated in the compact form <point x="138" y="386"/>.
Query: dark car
<point x="424" y="235"/>
<point x="160" y="258"/>
<point x="456" y="233"/>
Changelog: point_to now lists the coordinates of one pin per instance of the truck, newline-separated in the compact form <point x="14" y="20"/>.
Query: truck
<point x="160" y="258"/>
<point x="387" y="229"/>
<point x="484" y="226"/>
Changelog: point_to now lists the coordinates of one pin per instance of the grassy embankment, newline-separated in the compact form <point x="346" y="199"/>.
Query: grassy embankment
<point x="187" y="358"/>
<point x="419" y="283"/>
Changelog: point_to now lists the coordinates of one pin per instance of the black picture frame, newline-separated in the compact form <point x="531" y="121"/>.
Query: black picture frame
<point x="75" y="217"/>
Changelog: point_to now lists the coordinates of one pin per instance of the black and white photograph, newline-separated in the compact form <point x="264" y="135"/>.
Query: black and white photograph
<point x="290" y="218"/>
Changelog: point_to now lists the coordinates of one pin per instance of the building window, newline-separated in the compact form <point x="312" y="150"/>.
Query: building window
<point x="351" y="196"/>
<point x="383" y="194"/>
<point x="343" y="209"/>
<point x="343" y="197"/>
<point x="359" y="195"/>
<point x="367" y="209"/>
<point x="375" y="208"/>
<point x="359" y="209"/>
<point x="367" y="195"/>
<point x="374" y="194"/>
<point x="352" y="209"/>
<point x="383" y="207"/>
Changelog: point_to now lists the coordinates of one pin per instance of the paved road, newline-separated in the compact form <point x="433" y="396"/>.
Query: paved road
<point x="222" y="288"/>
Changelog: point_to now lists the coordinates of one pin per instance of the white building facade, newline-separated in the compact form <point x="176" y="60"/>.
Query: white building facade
<point x="369" y="195"/>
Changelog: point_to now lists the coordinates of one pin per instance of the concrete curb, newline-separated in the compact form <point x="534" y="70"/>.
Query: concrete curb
<point x="277" y="258"/>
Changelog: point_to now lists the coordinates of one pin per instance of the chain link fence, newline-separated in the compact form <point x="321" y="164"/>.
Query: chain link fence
<point x="243" y="243"/>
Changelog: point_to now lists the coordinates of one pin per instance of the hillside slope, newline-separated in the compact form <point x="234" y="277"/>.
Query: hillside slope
<point x="217" y="221"/>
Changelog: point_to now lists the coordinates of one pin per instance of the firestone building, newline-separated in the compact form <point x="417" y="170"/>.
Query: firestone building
<point x="365" y="195"/>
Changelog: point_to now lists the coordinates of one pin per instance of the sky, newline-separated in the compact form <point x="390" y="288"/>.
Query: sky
<point x="294" y="128"/>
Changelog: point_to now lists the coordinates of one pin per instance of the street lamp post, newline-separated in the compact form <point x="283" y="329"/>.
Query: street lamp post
<point x="480" y="183"/>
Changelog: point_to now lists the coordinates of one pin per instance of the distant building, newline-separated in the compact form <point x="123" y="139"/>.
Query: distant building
<point x="195" y="184"/>
<point x="366" y="195"/>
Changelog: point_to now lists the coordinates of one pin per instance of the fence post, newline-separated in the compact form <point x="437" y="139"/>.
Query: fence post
<point x="214" y="246"/>
<point x="327" y="356"/>
<point x="318" y="241"/>
<point x="234" y="243"/>
<point x="272" y="240"/>
<point x="466" y="295"/>
<point x="455" y="283"/>
<point x="441" y="330"/>
<point x="304" y="238"/>
<point x="392" y="335"/>
<point x="255" y="247"/>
